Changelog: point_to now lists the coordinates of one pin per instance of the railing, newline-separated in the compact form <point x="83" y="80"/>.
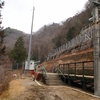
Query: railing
<point x="80" y="72"/>
<point x="80" y="69"/>
<point x="44" y="72"/>
<point x="61" y="73"/>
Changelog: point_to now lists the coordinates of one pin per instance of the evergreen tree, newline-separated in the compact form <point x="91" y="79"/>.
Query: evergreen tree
<point x="2" y="47"/>
<point x="18" y="54"/>
<point x="2" y="34"/>
<point x="35" y="55"/>
<point x="71" y="33"/>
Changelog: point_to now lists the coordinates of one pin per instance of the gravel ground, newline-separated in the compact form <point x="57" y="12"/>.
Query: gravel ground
<point x="27" y="89"/>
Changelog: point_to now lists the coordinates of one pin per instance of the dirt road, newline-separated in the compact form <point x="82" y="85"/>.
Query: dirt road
<point x="26" y="89"/>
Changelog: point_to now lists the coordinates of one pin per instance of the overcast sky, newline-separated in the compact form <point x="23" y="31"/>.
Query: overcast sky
<point x="18" y="13"/>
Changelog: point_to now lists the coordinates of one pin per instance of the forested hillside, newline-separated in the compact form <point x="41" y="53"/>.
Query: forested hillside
<point x="51" y="36"/>
<point x="12" y="35"/>
<point x="54" y="35"/>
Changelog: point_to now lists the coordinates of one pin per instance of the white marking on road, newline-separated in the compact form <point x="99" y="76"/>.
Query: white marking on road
<point x="38" y="83"/>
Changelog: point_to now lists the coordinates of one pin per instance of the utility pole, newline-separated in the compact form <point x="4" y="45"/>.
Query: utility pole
<point x="30" y="42"/>
<point x="96" y="44"/>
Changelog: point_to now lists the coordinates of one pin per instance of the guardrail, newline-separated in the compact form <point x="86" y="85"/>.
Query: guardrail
<point x="81" y="72"/>
<point x="44" y="72"/>
<point x="84" y="68"/>
<point x="61" y="73"/>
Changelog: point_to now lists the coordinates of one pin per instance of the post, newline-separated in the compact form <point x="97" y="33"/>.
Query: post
<point x="96" y="52"/>
<point x="69" y="82"/>
<point x="30" y="42"/>
<point x="53" y="68"/>
<point x="17" y="66"/>
<point x="83" y="80"/>
<point x="75" y="71"/>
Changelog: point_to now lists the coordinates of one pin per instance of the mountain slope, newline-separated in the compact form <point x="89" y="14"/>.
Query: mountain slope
<point x="51" y="36"/>
<point x="11" y="37"/>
